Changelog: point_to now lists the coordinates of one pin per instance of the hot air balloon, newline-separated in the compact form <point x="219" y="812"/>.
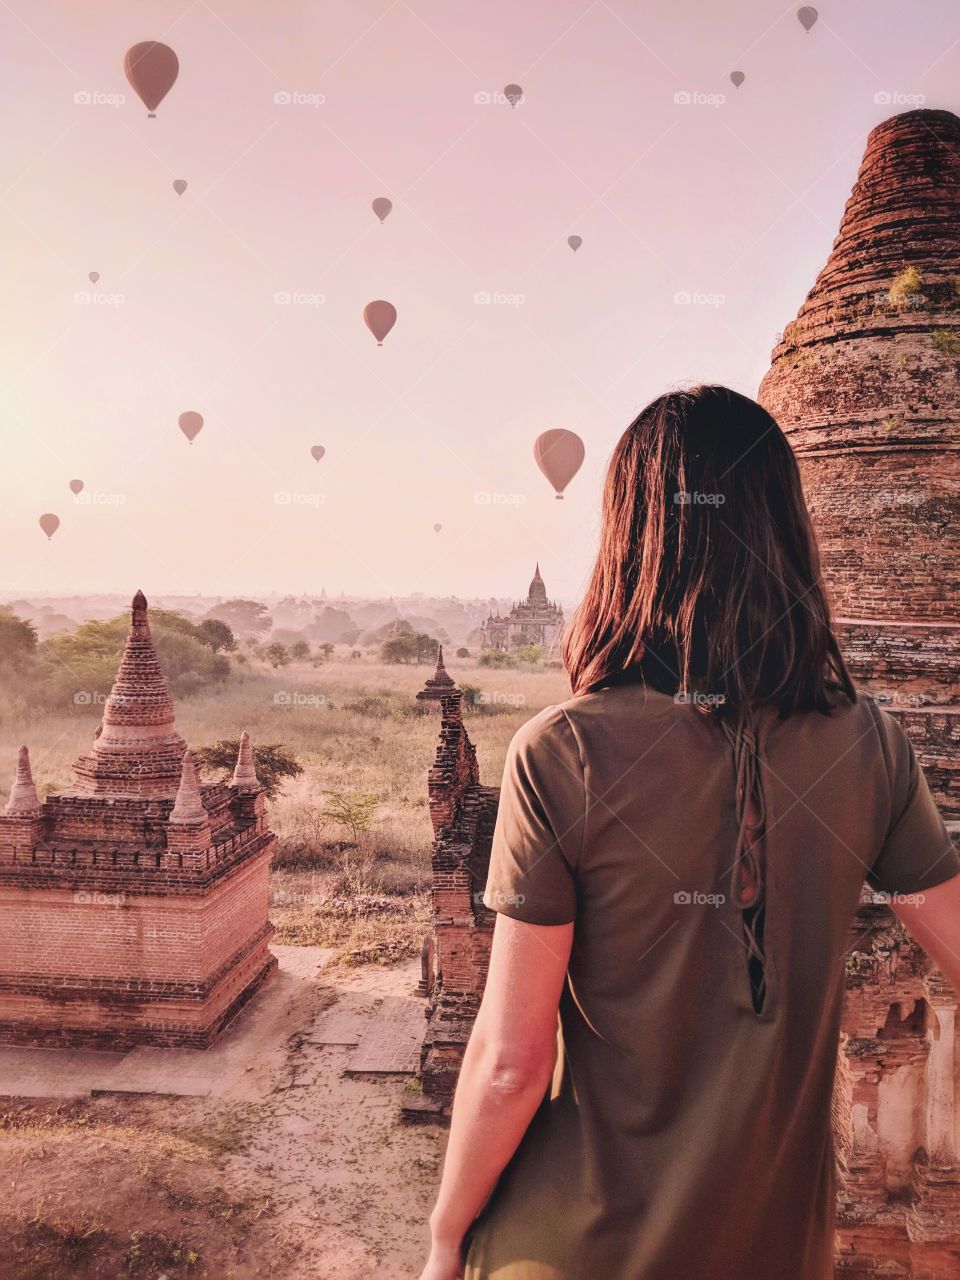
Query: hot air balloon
<point x="574" y="242"/>
<point x="559" y="455"/>
<point x="151" y="68"/>
<point x="807" y="16"/>
<point x="381" y="207"/>
<point x="190" y="424"/>
<point x="737" y="78"/>
<point x="318" y="451"/>
<point x="93" y="277"/>
<point x="179" y="186"/>
<point x="380" y="317"/>
<point x="76" y="486"/>
<point x="437" y="528"/>
<point x="49" y="523"/>
<point x="513" y="94"/>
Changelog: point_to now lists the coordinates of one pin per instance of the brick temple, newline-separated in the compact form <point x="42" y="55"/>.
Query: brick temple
<point x="866" y="383"/>
<point x="535" y="620"/>
<point x="133" y="907"/>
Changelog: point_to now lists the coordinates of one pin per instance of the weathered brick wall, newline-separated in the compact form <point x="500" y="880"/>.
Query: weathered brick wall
<point x="866" y="385"/>
<point x="83" y="965"/>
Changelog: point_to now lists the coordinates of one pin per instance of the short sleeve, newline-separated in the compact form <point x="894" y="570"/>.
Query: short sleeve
<point x="539" y="827"/>
<point x="917" y="852"/>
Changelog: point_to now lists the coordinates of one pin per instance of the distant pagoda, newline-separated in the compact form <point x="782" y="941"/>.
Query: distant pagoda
<point x="133" y="908"/>
<point x="535" y="620"/>
<point x="440" y="685"/>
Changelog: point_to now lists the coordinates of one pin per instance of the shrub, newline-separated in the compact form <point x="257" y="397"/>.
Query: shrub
<point x="906" y="288"/>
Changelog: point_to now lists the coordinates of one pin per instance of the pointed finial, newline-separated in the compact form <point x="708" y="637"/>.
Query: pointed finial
<point x="188" y="806"/>
<point x="139" y="603"/>
<point x="23" y="793"/>
<point x="440" y="666"/>
<point x="245" y="774"/>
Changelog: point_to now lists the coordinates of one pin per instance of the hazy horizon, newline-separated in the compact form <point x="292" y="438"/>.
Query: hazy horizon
<point x="733" y="203"/>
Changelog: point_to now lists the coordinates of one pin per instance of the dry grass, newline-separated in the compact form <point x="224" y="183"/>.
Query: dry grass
<point x="357" y="729"/>
<point x="94" y="1195"/>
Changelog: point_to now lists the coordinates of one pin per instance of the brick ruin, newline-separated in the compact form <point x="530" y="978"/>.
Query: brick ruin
<point x="133" y="907"/>
<point x="457" y="953"/>
<point x="866" y="383"/>
<point x="535" y="620"/>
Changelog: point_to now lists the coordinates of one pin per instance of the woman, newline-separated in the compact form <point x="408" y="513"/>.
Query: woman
<point x="678" y="857"/>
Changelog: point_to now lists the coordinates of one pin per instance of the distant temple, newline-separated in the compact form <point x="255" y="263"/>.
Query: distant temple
<point x="535" y="620"/>
<point x="133" y="907"/>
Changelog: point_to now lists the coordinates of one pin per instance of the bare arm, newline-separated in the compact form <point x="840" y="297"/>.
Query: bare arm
<point x="933" y="918"/>
<point x="506" y="1069"/>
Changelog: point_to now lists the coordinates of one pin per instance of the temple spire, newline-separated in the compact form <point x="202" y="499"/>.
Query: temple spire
<point x="245" y="774"/>
<point x="189" y="804"/>
<point x="138" y="750"/>
<point x="440" y="684"/>
<point x="23" y="793"/>
<point x="537" y="594"/>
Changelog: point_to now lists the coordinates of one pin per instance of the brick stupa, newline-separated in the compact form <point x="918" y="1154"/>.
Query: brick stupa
<point x="866" y="384"/>
<point x="133" y="908"/>
<point x="439" y="685"/>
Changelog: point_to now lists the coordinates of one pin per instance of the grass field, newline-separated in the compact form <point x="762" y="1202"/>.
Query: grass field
<point x="358" y="731"/>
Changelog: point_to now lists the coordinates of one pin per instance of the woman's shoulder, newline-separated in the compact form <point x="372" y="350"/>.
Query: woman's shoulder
<point x="576" y="719"/>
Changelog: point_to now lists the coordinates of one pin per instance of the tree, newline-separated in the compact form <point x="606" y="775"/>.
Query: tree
<point x="463" y="652"/>
<point x="277" y="655"/>
<point x="408" y="646"/>
<point x="272" y="761"/>
<point x="300" y="651"/>
<point x="18" y="639"/>
<point x="243" y="617"/>
<point x="216" y="634"/>
<point x="85" y="661"/>
<point x="353" y="809"/>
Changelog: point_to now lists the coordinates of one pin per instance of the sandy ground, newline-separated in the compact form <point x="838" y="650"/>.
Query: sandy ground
<point x="264" y="1160"/>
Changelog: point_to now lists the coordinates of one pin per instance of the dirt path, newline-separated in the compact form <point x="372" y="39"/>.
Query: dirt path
<point x="292" y="1169"/>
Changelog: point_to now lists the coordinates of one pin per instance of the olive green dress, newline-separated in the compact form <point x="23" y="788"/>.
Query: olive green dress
<point x="686" y="1136"/>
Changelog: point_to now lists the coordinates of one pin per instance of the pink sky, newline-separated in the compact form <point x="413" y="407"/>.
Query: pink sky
<point x="736" y="201"/>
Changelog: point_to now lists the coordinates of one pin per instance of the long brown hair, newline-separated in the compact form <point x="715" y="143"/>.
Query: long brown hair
<point x="707" y="582"/>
